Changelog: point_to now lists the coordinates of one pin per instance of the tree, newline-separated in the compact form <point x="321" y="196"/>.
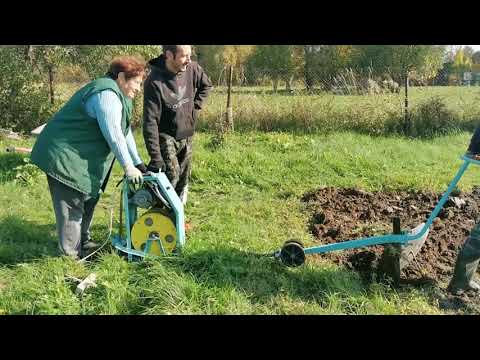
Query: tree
<point x="309" y="67"/>
<point x="237" y="56"/>
<point x="210" y="58"/>
<point x="461" y="63"/>
<point x="27" y="84"/>
<point x="48" y="58"/>
<point x="429" y="63"/>
<point x="450" y="51"/>
<point x="476" y="57"/>
<point x="443" y="74"/>
<point x="95" y="58"/>
<point x="324" y="62"/>
<point x="279" y="62"/>
<point x="24" y="101"/>
<point x="468" y="51"/>
<point x="215" y="59"/>
<point x="420" y="61"/>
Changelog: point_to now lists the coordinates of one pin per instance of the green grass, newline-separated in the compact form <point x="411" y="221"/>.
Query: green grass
<point x="244" y="199"/>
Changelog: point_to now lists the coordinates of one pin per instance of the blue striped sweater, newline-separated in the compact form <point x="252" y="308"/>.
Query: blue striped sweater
<point x="107" y="109"/>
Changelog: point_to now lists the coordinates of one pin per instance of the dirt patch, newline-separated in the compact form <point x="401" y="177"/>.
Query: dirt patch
<point x="347" y="214"/>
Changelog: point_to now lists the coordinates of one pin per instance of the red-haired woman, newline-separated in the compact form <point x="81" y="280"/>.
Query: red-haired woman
<point x="78" y="146"/>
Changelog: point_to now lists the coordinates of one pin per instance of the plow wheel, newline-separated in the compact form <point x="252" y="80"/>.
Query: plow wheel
<point x="292" y="253"/>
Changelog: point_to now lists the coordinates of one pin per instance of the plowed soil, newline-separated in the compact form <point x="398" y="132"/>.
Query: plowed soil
<point x="348" y="214"/>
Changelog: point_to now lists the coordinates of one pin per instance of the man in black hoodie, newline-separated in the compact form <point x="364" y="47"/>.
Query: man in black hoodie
<point x="174" y="93"/>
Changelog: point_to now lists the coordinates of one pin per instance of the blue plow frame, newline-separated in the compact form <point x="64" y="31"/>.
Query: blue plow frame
<point x="124" y="243"/>
<point x="394" y="238"/>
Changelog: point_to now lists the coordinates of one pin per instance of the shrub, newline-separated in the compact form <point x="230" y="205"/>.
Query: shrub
<point x="24" y="102"/>
<point x="432" y="117"/>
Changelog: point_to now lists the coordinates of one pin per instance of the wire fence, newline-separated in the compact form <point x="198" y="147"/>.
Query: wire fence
<point x="372" y="100"/>
<point x="346" y="81"/>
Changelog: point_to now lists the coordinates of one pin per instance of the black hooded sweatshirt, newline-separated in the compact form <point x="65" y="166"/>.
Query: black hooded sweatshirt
<point x="171" y="102"/>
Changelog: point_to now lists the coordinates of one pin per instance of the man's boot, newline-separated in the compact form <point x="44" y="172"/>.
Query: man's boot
<point x="89" y="247"/>
<point x="466" y="266"/>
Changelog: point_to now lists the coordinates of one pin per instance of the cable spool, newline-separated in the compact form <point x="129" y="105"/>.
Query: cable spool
<point x="157" y="226"/>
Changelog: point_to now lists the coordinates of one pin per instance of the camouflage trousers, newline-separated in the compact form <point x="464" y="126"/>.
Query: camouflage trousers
<point x="177" y="155"/>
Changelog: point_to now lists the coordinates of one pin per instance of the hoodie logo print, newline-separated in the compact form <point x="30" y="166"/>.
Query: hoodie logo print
<point x="181" y="93"/>
<point x="179" y="97"/>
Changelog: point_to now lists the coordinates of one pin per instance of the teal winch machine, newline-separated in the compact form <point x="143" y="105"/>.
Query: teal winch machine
<point x="160" y="229"/>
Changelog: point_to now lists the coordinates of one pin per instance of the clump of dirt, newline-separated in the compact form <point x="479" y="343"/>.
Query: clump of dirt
<point x="348" y="214"/>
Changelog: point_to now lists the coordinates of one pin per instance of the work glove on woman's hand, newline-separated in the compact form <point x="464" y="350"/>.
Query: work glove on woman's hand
<point x="134" y="175"/>
<point x="472" y="155"/>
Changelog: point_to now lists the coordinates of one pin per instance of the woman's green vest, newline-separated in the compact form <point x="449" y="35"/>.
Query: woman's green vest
<point x="71" y="147"/>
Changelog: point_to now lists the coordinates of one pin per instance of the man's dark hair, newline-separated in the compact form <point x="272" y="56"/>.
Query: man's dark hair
<point x="172" y="48"/>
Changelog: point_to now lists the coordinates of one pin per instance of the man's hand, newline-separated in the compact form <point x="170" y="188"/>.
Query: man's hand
<point x="142" y="168"/>
<point x="157" y="168"/>
<point x="134" y="175"/>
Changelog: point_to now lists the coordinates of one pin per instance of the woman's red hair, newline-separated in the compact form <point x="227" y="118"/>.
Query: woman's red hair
<point x="132" y="66"/>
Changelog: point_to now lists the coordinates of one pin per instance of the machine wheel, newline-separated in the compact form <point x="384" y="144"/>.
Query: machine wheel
<point x="292" y="253"/>
<point x="294" y="241"/>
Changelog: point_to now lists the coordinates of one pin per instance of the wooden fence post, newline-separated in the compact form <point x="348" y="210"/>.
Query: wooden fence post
<point x="229" y="113"/>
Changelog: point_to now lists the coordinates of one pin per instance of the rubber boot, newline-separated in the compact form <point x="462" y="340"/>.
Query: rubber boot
<point x="466" y="265"/>
<point x="89" y="247"/>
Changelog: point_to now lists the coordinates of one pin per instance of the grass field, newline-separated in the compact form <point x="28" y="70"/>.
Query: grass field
<point x="245" y="197"/>
<point x="259" y="109"/>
